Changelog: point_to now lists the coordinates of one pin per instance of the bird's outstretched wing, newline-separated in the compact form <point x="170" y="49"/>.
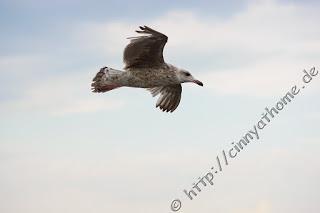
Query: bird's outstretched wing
<point x="145" y="51"/>
<point x="170" y="96"/>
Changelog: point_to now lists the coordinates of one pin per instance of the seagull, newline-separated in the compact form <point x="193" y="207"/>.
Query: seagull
<point x="146" y="68"/>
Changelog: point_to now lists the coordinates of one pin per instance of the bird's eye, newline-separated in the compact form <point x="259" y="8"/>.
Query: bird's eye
<point x="187" y="74"/>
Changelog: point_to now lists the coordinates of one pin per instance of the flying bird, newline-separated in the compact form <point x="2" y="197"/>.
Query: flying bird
<point x="146" y="68"/>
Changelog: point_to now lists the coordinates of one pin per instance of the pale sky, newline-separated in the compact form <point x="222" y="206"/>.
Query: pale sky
<point x="64" y="149"/>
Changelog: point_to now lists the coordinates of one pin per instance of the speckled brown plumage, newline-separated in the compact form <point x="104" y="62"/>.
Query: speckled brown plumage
<point x="146" y="68"/>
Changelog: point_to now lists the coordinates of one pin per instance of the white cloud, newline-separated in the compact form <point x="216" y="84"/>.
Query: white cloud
<point x="58" y="94"/>
<point x="267" y="44"/>
<point x="103" y="38"/>
<point x="150" y="177"/>
<point x="20" y="70"/>
<point x="276" y="41"/>
<point x="262" y="206"/>
<point x="260" y="80"/>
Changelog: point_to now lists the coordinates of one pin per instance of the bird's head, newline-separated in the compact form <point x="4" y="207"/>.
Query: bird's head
<point x="185" y="76"/>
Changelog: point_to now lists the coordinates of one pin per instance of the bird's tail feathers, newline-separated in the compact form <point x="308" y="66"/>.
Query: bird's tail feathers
<point x="102" y="81"/>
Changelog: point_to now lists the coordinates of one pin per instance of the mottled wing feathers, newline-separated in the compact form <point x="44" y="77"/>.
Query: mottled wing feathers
<point x="170" y="96"/>
<point x="145" y="51"/>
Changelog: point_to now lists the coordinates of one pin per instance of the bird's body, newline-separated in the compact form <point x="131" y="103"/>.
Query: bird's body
<point x="145" y="68"/>
<point x="142" y="77"/>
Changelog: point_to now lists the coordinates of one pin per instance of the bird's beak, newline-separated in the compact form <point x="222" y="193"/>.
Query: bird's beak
<point x="198" y="82"/>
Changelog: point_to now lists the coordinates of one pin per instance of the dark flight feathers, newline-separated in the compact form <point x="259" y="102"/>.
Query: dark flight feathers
<point x="145" y="51"/>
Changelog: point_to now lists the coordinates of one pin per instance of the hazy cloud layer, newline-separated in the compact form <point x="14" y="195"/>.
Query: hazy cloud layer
<point x="65" y="149"/>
